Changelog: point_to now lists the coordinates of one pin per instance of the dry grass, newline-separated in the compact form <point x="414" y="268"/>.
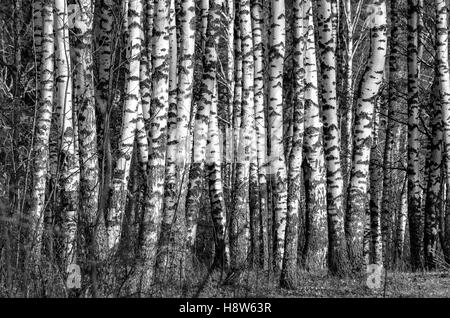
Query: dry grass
<point x="258" y="284"/>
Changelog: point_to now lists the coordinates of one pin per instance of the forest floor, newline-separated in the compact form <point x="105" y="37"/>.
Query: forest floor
<point x="256" y="285"/>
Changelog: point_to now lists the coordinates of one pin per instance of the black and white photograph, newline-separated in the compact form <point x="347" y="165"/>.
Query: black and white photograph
<point x="231" y="156"/>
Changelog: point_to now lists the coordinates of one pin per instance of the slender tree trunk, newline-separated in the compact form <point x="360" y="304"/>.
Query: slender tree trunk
<point x="38" y="20"/>
<point x="240" y="218"/>
<point x="228" y="141"/>
<point x="375" y="192"/>
<point x="69" y="156"/>
<point x="288" y="274"/>
<point x="444" y="96"/>
<point x="433" y="195"/>
<point x="103" y="98"/>
<point x="185" y="79"/>
<point x="165" y="261"/>
<point x="185" y="72"/>
<point x="104" y="45"/>
<point x="127" y="136"/>
<point x="316" y="238"/>
<point x="392" y="130"/>
<point x="146" y="61"/>
<point x="237" y="94"/>
<point x="414" y="190"/>
<point x="400" y="223"/>
<point x="42" y="133"/>
<point x="370" y="86"/>
<point x="260" y="127"/>
<point x="337" y="258"/>
<point x="277" y="161"/>
<point x="214" y="165"/>
<point x="445" y="221"/>
<point x="85" y="99"/>
<point x="204" y="10"/>
<point x="254" y="200"/>
<point x="159" y="113"/>
<point x="196" y="172"/>
<point x="347" y="98"/>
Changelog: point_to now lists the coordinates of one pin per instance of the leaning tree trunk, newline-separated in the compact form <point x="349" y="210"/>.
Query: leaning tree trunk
<point x="369" y="90"/>
<point x="337" y="257"/>
<point x="414" y="189"/>
<point x="278" y="172"/>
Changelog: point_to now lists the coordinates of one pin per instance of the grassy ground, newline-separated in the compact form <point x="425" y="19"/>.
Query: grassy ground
<point x="257" y="284"/>
<point x="397" y="285"/>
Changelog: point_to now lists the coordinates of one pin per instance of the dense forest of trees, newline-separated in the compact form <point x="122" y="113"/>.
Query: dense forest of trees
<point x="147" y="144"/>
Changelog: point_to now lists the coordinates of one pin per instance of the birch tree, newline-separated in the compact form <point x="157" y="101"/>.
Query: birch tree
<point x="374" y="213"/>
<point x="240" y="218"/>
<point x="214" y="168"/>
<point x="401" y="225"/>
<point x="151" y="224"/>
<point x="347" y="24"/>
<point x="275" y="90"/>
<point x="335" y="187"/>
<point x="85" y="98"/>
<point x="414" y="190"/>
<point x="442" y="72"/>
<point x="103" y="98"/>
<point x="300" y="24"/>
<point x="314" y="171"/>
<point x="196" y="172"/>
<point x="146" y="65"/>
<point x="128" y="131"/>
<point x="185" y="78"/>
<point x="170" y="188"/>
<point x="42" y="130"/>
<point x="392" y="129"/>
<point x="69" y="157"/>
<point x="260" y="125"/>
<point x="37" y="7"/>
<point x="370" y="86"/>
<point x="433" y="194"/>
<point x="204" y="10"/>
<point x="237" y="93"/>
